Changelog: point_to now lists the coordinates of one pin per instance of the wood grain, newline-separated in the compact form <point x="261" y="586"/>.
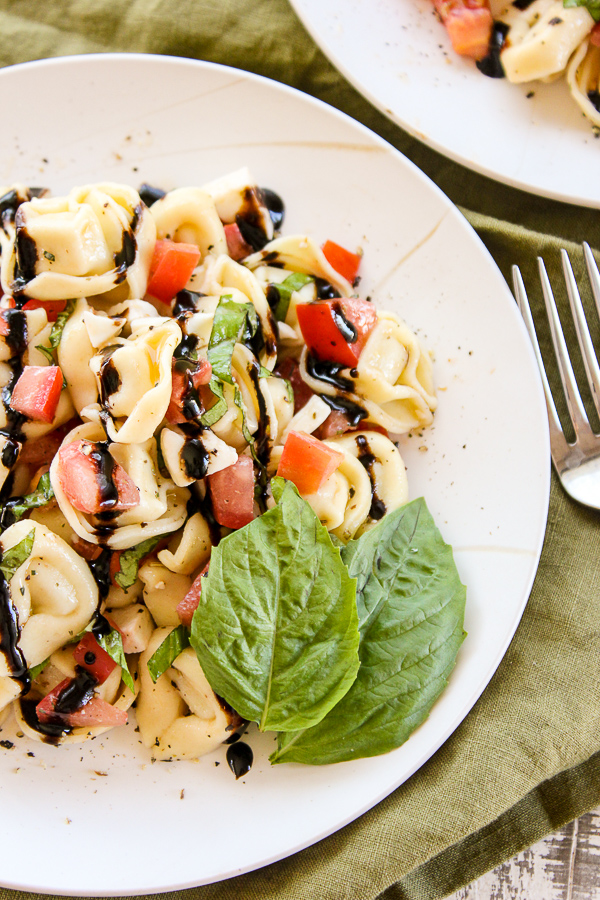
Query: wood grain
<point x="563" y="866"/>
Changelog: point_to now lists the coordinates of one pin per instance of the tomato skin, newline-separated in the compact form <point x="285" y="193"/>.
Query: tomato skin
<point x="37" y="392"/>
<point x="170" y="269"/>
<point x="322" y="335"/>
<point x="469" y="25"/>
<point x="290" y="370"/>
<point x="232" y="493"/>
<point x="79" y="478"/>
<point x="237" y="247"/>
<point x="181" y="384"/>
<point x="343" y="261"/>
<point x="95" y="713"/>
<point x="52" y="307"/>
<point x="307" y="461"/>
<point x="101" y="665"/>
<point x="187" y="607"/>
<point x="595" y="35"/>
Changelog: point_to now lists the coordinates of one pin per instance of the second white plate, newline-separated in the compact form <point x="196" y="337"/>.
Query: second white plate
<point x="398" y="55"/>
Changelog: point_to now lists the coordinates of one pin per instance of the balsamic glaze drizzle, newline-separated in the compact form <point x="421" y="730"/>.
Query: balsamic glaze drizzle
<point x="239" y="758"/>
<point x="367" y="459"/>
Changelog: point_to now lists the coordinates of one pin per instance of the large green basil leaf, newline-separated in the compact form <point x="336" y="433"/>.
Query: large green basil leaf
<point x="276" y="629"/>
<point x="411" y="609"/>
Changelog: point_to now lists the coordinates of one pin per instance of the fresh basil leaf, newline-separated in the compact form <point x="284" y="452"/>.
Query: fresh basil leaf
<point x="37" y="670"/>
<point x="285" y="289"/>
<point x="592" y="6"/>
<point x="219" y="409"/>
<point x="112" y="643"/>
<point x="229" y="322"/>
<point x="42" y="495"/>
<point x="47" y="351"/>
<point x="276" y="628"/>
<point x="166" y="654"/>
<point x="16" y="556"/>
<point x="61" y="321"/>
<point x="411" y="608"/>
<point x="129" y="561"/>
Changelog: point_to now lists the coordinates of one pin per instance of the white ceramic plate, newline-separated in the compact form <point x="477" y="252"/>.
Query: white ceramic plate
<point x="483" y="466"/>
<point x="397" y="54"/>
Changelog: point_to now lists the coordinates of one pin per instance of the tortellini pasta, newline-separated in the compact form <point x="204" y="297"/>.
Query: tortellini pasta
<point x="583" y="76"/>
<point x="171" y="420"/>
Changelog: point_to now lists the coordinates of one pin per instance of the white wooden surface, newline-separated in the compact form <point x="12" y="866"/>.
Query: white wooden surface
<point x="563" y="866"/>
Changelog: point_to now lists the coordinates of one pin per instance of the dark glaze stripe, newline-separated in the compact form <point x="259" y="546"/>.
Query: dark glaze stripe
<point x="329" y="373"/>
<point x="367" y="459"/>
<point x="346" y="328"/>
<point x="195" y="458"/>
<point x="491" y="65"/>
<point x="9" y="636"/>
<point x="275" y="205"/>
<point x="105" y="464"/>
<point x="77" y="693"/>
<point x="51" y="731"/>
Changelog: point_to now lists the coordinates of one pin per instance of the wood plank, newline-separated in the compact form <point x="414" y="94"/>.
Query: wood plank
<point x="562" y="866"/>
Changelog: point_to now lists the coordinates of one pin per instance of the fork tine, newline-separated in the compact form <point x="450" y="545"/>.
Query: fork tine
<point x="572" y="395"/>
<point x="593" y="274"/>
<point x="583" y="333"/>
<point x="558" y="443"/>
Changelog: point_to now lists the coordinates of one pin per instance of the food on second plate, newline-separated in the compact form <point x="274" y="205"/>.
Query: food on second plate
<point x="530" y="40"/>
<point x="204" y="507"/>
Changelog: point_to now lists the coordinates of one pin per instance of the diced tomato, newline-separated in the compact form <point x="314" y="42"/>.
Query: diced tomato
<point x="85" y="549"/>
<point x="93" y="658"/>
<point x="232" y="493"/>
<point x="595" y="35"/>
<point x="343" y="261"/>
<point x="52" y="307"/>
<point x="469" y="25"/>
<point x="37" y="392"/>
<point x="115" y="565"/>
<point x="237" y="247"/>
<point x="170" y="268"/>
<point x="290" y="369"/>
<point x="336" y="422"/>
<point x="187" y="607"/>
<point x="42" y="450"/>
<point x="321" y="321"/>
<point x="87" y="486"/>
<point x="182" y="382"/>
<point x="307" y="461"/>
<point x="96" y="712"/>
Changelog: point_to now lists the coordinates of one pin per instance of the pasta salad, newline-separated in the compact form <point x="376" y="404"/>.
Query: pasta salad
<point x="531" y="40"/>
<point x="200" y="489"/>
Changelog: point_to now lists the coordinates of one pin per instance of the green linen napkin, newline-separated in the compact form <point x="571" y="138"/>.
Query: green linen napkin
<point x="527" y="758"/>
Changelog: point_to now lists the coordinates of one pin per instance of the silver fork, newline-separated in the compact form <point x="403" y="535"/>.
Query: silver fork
<point x="577" y="464"/>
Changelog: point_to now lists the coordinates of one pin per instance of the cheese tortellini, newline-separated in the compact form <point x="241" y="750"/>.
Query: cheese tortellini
<point x="158" y="410"/>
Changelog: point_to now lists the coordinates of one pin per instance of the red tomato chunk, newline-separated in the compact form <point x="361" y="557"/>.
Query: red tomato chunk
<point x="181" y="384"/>
<point x="37" y="392"/>
<point x="187" y="607"/>
<point x="343" y="261"/>
<point x="232" y="493"/>
<point x="236" y="245"/>
<point x="469" y="25"/>
<point x="96" y="712"/>
<point x="52" y="307"/>
<point x="93" y="658"/>
<point x="170" y="269"/>
<point x="85" y="485"/>
<point x="320" y="323"/>
<point x="307" y="461"/>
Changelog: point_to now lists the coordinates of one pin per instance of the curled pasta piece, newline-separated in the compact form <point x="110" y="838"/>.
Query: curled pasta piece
<point x="96" y="238"/>
<point x="62" y="665"/>
<point x="190" y="550"/>
<point x="164" y="589"/>
<point x="74" y="354"/>
<point x="583" y="77"/>
<point x="343" y="502"/>
<point x="189" y="215"/>
<point x="161" y="508"/>
<point x="542" y="38"/>
<point x="191" y="458"/>
<point x="134" y="381"/>
<point x="299" y="253"/>
<point x="180" y="716"/>
<point x="385" y="467"/>
<point x="392" y="382"/>
<point x="52" y="595"/>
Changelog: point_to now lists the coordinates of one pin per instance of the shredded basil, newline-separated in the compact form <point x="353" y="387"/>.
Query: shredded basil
<point x="112" y="643"/>
<point x="129" y="561"/>
<point x="15" y="557"/>
<point x="166" y="653"/>
<point x="37" y="670"/>
<point x="42" y="495"/>
<point x="57" y="330"/>
<point x="285" y="289"/>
